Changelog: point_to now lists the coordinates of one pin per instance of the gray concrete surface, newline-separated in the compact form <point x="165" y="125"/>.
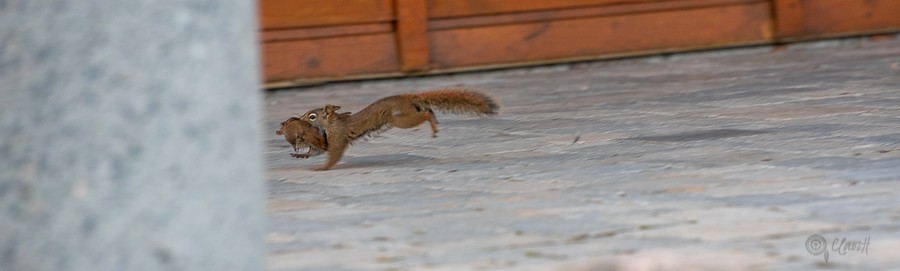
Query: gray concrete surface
<point x="129" y="136"/>
<point x="723" y="160"/>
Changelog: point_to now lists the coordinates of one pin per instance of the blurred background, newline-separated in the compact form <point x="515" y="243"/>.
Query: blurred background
<point x="134" y="135"/>
<point x="312" y="41"/>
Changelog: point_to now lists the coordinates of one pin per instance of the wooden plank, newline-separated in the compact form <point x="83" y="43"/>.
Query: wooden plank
<point x="412" y="34"/>
<point x="584" y="12"/>
<point x="325" y="32"/>
<point x="281" y="14"/>
<point x="831" y="17"/>
<point x="789" y="18"/>
<point x="464" y="8"/>
<point x="735" y="24"/>
<point x="330" y="57"/>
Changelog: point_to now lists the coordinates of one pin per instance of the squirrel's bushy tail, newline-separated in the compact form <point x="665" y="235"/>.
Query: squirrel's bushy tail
<point x="457" y="100"/>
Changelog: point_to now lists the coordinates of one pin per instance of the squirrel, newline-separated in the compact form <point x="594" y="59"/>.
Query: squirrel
<point x="401" y="111"/>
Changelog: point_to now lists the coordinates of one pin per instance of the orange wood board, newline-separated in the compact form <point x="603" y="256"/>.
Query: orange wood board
<point x="412" y="35"/>
<point x="463" y="8"/>
<point x="316" y="40"/>
<point x="325" y="32"/>
<point x="281" y="14"/>
<point x="708" y="26"/>
<point x="835" y="17"/>
<point x="330" y="57"/>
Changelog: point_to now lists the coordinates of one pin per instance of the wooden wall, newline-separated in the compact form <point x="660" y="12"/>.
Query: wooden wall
<point x="309" y="41"/>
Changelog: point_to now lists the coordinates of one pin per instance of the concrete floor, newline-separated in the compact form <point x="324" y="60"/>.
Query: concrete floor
<point x="722" y="160"/>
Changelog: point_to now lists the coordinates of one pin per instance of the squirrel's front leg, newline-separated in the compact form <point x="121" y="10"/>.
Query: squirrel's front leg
<point x="335" y="152"/>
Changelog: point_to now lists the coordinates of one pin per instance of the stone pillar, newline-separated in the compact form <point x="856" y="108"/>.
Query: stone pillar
<point x="130" y="136"/>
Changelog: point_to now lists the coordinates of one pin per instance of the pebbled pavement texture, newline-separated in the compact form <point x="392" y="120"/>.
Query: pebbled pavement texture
<point x="722" y="160"/>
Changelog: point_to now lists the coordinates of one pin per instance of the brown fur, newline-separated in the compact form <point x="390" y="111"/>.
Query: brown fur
<point x="411" y="110"/>
<point x="336" y="125"/>
<point x="300" y="134"/>
<point x="401" y="111"/>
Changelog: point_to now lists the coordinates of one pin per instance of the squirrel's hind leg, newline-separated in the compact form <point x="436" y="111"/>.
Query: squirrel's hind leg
<point x="406" y="121"/>
<point x="432" y="120"/>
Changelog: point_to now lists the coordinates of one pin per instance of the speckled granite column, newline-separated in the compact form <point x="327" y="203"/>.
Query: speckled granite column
<point x="129" y="136"/>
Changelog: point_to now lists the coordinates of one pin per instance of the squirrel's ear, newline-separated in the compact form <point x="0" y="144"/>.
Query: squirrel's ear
<point x="331" y="109"/>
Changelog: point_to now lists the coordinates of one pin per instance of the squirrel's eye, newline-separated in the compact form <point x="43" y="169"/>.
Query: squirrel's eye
<point x="312" y="117"/>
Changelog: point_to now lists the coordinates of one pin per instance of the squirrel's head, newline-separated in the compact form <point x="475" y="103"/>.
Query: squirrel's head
<point x="313" y="116"/>
<point x="316" y="116"/>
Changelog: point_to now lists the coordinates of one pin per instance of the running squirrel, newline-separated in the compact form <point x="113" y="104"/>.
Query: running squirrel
<point x="401" y="111"/>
